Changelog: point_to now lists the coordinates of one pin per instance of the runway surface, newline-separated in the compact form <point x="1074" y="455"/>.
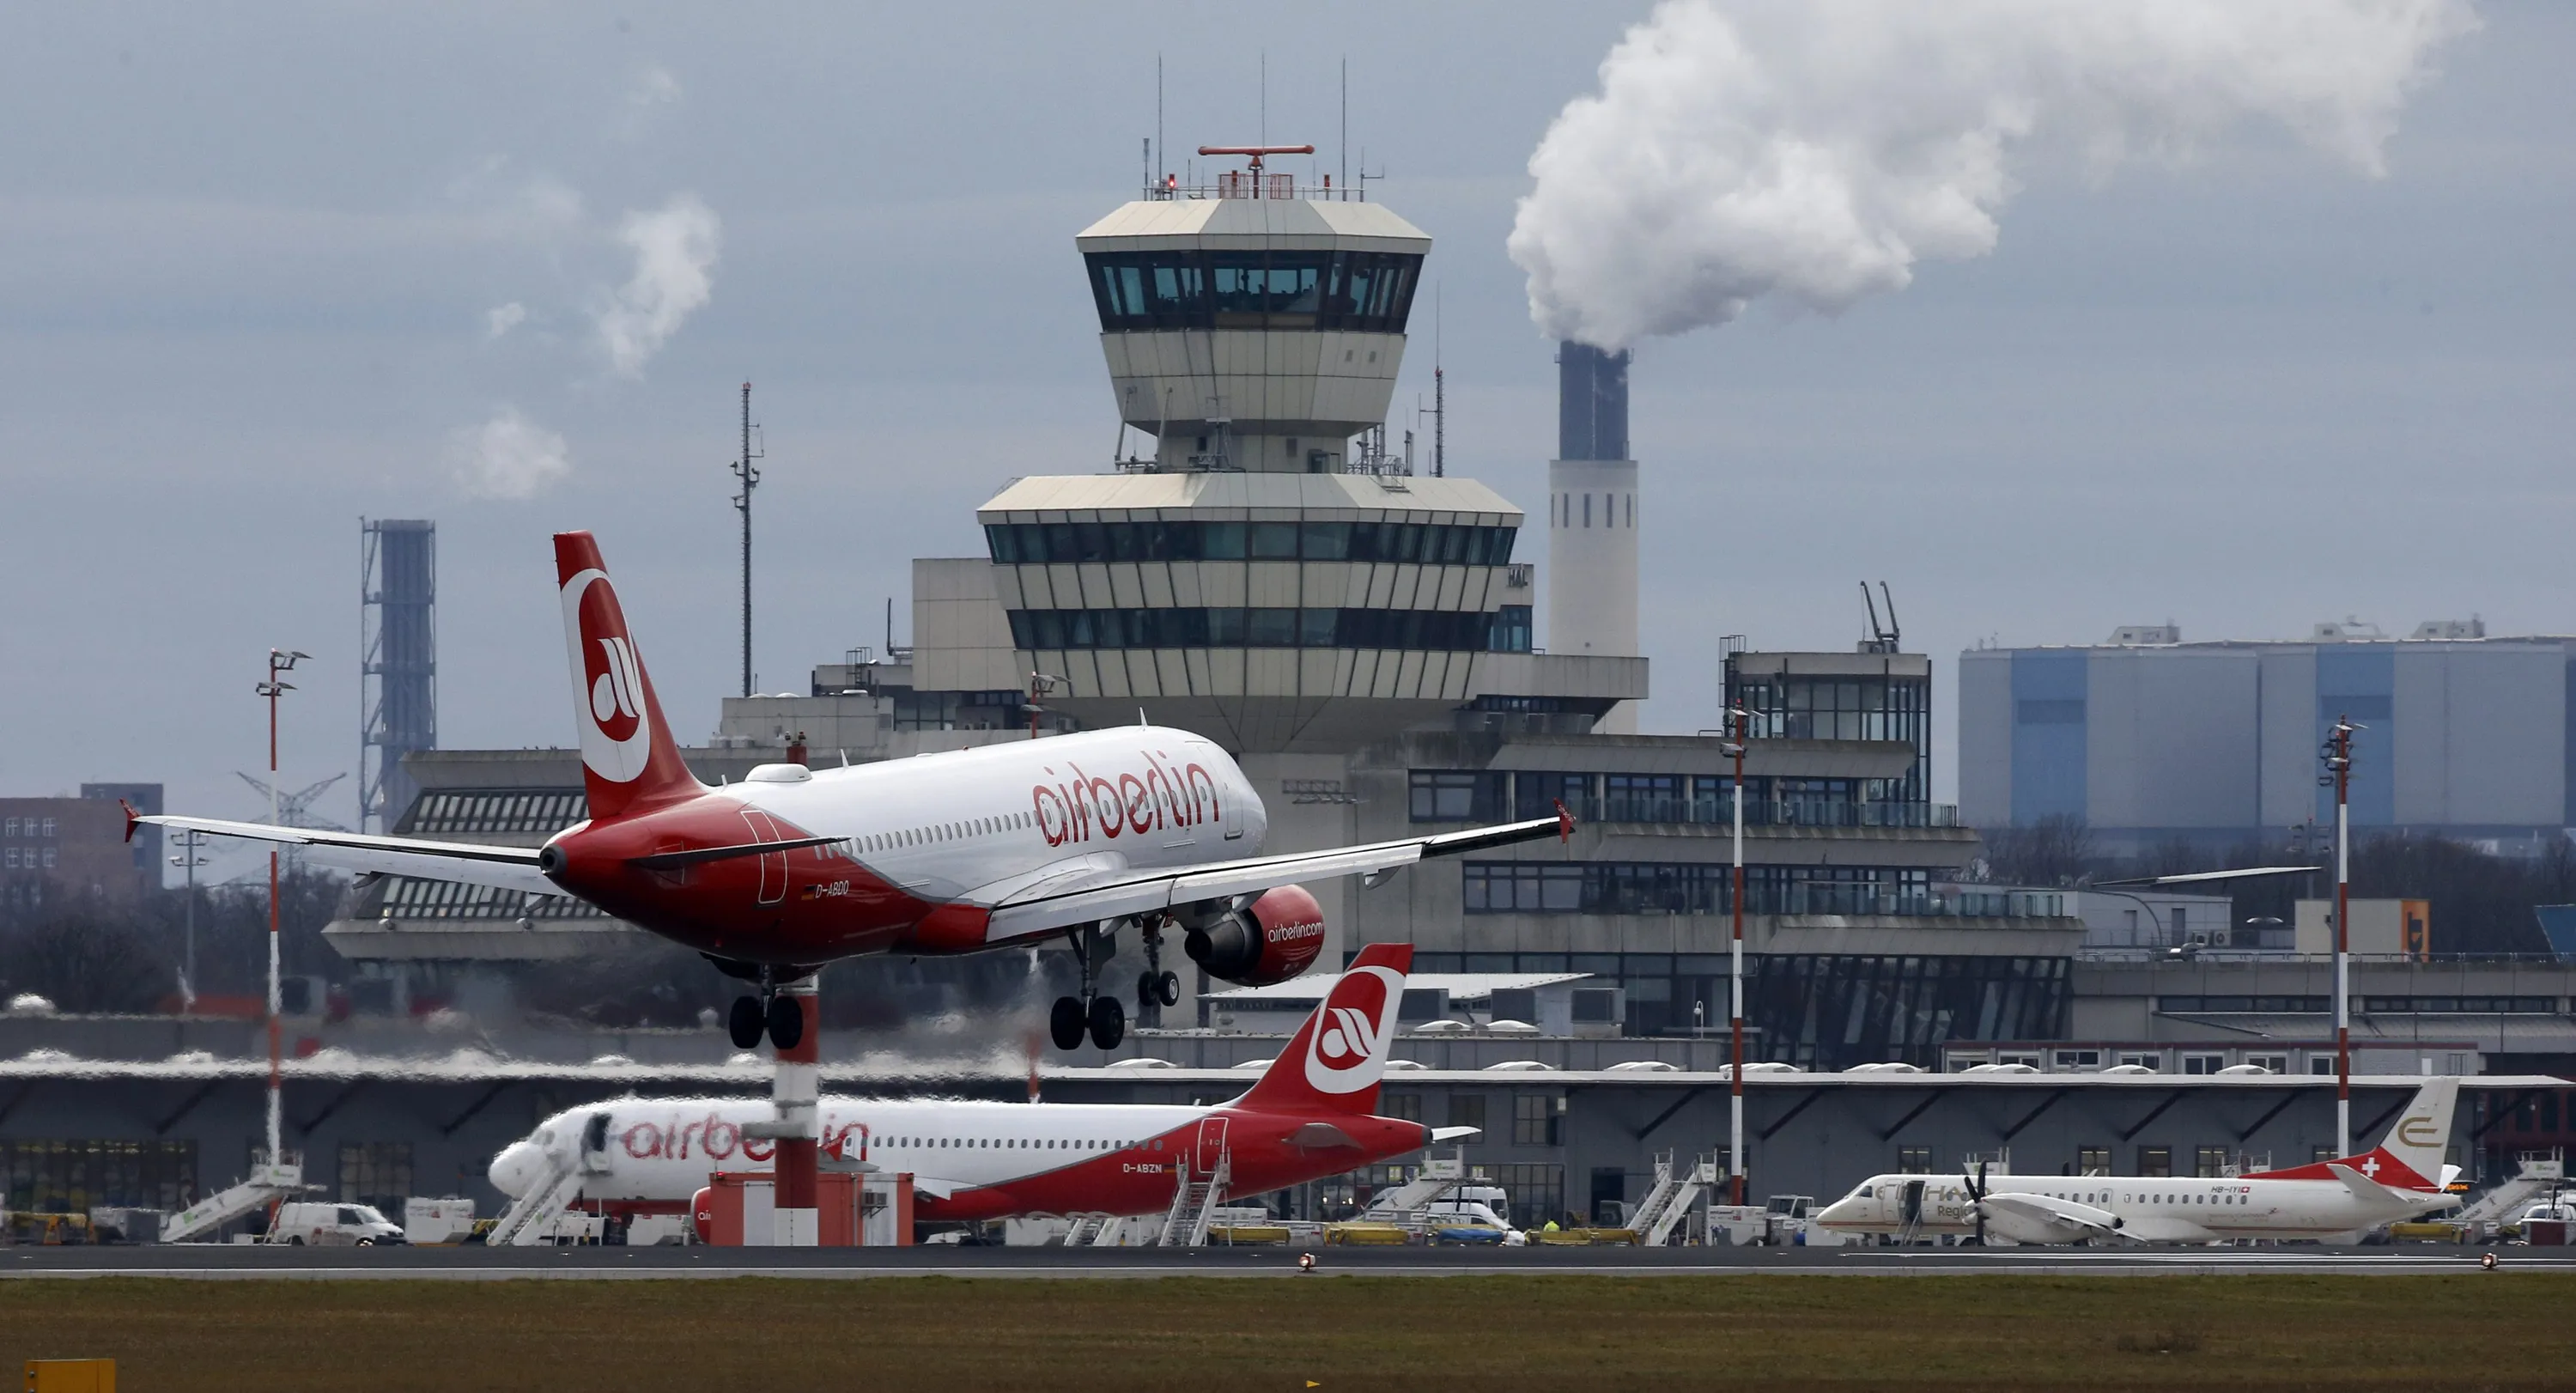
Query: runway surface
<point x="242" y="1262"/>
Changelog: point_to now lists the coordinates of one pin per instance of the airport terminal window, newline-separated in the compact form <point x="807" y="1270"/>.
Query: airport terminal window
<point x="2223" y="1005"/>
<point x="1534" y="1119"/>
<point x="2155" y="1161"/>
<point x="2455" y="1005"/>
<point x="377" y="1173"/>
<point x="1914" y="1160"/>
<point x="2092" y="1160"/>
<point x="1647" y="887"/>
<point x="2209" y="1162"/>
<point x="521" y="811"/>
<point x="1052" y="629"/>
<point x="72" y="1177"/>
<point x="1467" y="1110"/>
<point x="1420" y="543"/>
<point x="1180" y="288"/>
<point x="406" y="899"/>
<point x="1455" y="795"/>
<point x="1512" y="630"/>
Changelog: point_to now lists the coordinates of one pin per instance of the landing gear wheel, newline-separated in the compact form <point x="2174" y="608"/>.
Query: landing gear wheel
<point x="1067" y="1023"/>
<point x="746" y="1023"/>
<point x="1167" y="988"/>
<point x="1108" y="1022"/>
<point x="1149" y="993"/>
<point x="786" y="1022"/>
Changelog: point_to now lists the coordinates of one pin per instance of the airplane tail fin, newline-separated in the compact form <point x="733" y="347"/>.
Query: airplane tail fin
<point x="2421" y="1135"/>
<point x="628" y="757"/>
<point x="1334" y="1063"/>
<point x="2408" y="1158"/>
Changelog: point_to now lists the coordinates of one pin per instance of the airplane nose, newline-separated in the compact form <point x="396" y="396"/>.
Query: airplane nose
<point x="516" y="1168"/>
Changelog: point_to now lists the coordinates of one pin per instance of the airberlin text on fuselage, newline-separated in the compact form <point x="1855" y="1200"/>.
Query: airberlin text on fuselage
<point x="1085" y="805"/>
<point x="712" y="1138"/>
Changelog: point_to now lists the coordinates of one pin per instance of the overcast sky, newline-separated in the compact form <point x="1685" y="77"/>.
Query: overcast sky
<point x="263" y="272"/>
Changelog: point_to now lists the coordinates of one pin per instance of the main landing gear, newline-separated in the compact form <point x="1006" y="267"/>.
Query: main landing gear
<point x="1155" y="988"/>
<point x="768" y="1014"/>
<point x="1094" y="1015"/>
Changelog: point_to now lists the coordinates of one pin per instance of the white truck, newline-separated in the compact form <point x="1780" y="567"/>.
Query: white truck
<point x="302" y="1224"/>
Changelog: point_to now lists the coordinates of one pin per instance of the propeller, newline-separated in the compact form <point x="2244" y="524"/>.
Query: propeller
<point x="1977" y="1199"/>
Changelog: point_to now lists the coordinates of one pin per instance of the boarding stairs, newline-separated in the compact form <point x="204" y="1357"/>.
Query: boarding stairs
<point x="1435" y="1177"/>
<point x="2539" y="1173"/>
<point x="266" y="1184"/>
<point x="530" y="1220"/>
<point x="1092" y="1231"/>
<point x="1677" y="1190"/>
<point x="1186" y="1226"/>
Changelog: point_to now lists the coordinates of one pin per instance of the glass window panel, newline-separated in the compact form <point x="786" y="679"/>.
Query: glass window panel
<point x="1315" y="627"/>
<point x="1327" y="541"/>
<point x="1223" y="541"/>
<point x="1271" y="628"/>
<point x="1274" y="541"/>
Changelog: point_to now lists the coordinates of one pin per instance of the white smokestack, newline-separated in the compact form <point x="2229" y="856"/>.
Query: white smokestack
<point x="1815" y="151"/>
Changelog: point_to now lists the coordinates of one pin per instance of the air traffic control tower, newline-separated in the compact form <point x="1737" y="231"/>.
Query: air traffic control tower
<point x="1269" y="573"/>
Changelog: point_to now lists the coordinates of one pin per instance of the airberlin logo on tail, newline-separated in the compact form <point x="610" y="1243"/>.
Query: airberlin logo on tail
<point x="616" y="735"/>
<point x="1348" y="1050"/>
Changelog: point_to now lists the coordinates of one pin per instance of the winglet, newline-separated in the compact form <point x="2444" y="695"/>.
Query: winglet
<point x="1564" y="822"/>
<point x="132" y="818"/>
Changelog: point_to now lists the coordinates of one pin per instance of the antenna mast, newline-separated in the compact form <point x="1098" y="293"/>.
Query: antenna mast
<point x="748" y="472"/>
<point x="1439" y="395"/>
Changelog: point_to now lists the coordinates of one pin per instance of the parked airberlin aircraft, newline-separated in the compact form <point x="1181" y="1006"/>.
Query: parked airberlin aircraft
<point x="959" y="852"/>
<point x="1309" y="1116"/>
<point x="2402" y="1177"/>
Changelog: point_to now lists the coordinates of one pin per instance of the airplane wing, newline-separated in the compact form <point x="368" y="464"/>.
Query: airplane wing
<point x="1053" y="905"/>
<point x="2027" y="1218"/>
<point x="2160" y="1229"/>
<point x="502" y="867"/>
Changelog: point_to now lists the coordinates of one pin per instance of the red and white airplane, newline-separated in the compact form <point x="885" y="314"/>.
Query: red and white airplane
<point x="1310" y="1115"/>
<point x="940" y="854"/>
<point x="2401" y="1178"/>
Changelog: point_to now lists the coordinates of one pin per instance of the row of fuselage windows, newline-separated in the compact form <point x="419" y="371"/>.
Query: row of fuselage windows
<point x="909" y="1143"/>
<point x="937" y="832"/>
<point x="1184" y="288"/>
<point x="2099" y="1197"/>
<point x="1417" y="543"/>
<point x="1227" y="627"/>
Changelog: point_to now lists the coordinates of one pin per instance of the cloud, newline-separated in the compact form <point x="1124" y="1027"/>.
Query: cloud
<point x="1815" y="152"/>
<point x="675" y="250"/>
<point x="501" y="319"/>
<point x="508" y="456"/>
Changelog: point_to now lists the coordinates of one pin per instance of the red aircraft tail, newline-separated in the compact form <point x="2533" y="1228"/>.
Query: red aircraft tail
<point x="1337" y="1058"/>
<point x="629" y="760"/>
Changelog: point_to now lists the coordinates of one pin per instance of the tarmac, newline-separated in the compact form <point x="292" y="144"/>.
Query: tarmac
<point x="241" y="1262"/>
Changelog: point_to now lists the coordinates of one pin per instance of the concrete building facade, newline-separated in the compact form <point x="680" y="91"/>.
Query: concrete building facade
<point x="2212" y="743"/>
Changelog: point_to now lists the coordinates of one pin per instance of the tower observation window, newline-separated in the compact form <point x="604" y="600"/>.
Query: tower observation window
<point x="1187" y="289"/>
<point x="1429" y="544"/>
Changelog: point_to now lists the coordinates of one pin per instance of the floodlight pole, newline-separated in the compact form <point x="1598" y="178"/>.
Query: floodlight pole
<point x="2341" y="763"/>
<point x="278" y="663"/>
<point x="1738" y="723"/>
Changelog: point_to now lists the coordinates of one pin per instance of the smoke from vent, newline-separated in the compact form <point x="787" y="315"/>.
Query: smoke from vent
<point x="1814" y="152"/>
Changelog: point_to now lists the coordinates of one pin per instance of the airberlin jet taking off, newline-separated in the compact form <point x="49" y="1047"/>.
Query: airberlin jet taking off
<point x="1310" y="1115"/>
<point x="945" y="853"/>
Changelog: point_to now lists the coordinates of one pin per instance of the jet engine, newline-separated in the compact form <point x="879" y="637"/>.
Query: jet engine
<point x="1269" y="940"/>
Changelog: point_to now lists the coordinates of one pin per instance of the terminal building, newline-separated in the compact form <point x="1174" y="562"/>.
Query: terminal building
<point x="2149" y="739"/>
<point x="1360" y="635"/>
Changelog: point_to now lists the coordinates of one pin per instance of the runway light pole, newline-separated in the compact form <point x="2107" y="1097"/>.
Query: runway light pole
<point x="2338" y="759"/>
<point x="1739" y="726"/>
<point x="278" y="663"/>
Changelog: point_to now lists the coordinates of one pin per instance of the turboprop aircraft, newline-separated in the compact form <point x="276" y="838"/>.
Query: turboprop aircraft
<point x="956" y="852"/>
<point x="2400" y="1178"/>
<point x="1310" y="1115"/>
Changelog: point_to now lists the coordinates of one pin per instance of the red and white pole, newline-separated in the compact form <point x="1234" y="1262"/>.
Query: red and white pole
<point x="1740" y="722"/>
<point x="793" y="1093"/>
<point x="279" y="663"/>
<point x="2339" y="761"/>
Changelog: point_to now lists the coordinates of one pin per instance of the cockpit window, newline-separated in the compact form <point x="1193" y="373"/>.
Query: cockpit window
<point x="1862" y="1193"/>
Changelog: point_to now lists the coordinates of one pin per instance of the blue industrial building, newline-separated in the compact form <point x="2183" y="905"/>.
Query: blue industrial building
<point x="2149" y="739"/>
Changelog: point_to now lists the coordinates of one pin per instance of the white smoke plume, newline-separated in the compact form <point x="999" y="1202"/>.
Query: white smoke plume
<point x="1814" y="151"/>
<point x="508" y="456"/>
<point x="675" y="252"/>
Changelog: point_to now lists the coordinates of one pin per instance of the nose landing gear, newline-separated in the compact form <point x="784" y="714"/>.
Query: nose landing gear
<point x="1090" y="1015"/>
